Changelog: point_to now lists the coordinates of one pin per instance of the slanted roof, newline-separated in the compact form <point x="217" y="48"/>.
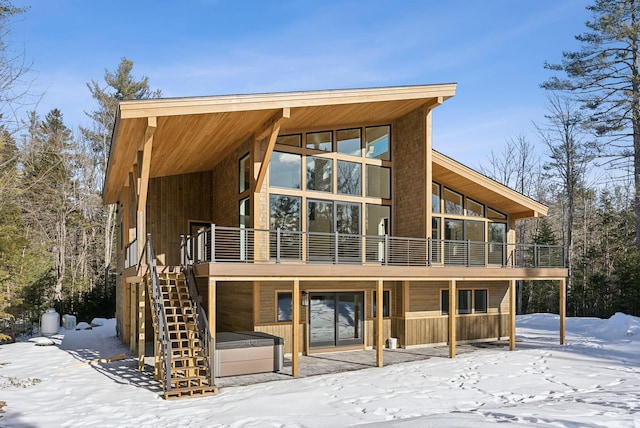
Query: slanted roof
<point x="476" y="185"/>
<point x="194" y="134"/>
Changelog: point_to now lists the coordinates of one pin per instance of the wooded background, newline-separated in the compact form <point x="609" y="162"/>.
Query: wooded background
<point x="56" y="237"/>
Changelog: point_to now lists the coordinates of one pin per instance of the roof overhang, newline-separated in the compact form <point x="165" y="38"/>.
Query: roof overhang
<point x="486" y="190"/>
<point x="194" y="134"/>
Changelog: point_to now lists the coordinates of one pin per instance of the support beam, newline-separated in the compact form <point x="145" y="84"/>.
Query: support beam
<point x="145" y="163"/>
<point x="563" y="310"/>
<point x="512" y="315"/>
<point x="141" y="324"/>
<point x="133" y="316"/>
<point x="211" y="306"/>
<point x="274" y="126"/>
<point x="295" y="328"/>
<point x="453" y="295"/>
<point x="379" y="324"/>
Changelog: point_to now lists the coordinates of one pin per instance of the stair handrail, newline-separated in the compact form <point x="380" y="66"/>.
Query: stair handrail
<point x="208" y="341"/>
<point x="158" y="307"/>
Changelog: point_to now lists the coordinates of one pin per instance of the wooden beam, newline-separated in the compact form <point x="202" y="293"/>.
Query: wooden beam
<point x="295" y="328"/>
<point x="379" y="324"/>
<point x="211" y="317"/>
<point x="145" y="163"/>
<point x="453" y="294"/>
<point x="141" y="324"/>
<point x="265" y="129"/>
<point x="285" y="113"/>
<point x="512" y="315"/>
<point x="563" y="310"/>
<point x="133" y="316"/>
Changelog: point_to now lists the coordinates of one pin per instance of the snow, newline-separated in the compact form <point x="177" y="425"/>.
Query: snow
<point x="593" y="381"/>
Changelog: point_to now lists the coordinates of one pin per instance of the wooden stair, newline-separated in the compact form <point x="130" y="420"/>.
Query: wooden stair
<point x="189" y="368"/>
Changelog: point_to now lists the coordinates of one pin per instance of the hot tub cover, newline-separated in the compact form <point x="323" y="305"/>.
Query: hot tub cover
<point x="246" y="339"/>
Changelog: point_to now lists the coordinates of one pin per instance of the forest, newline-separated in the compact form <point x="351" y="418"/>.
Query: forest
<point x="56" y="236"/>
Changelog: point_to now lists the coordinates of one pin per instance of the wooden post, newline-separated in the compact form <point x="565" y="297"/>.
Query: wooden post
<point x="211" y="306"/>
<point x="379" y="325"/>
<point x="141" y="324"/>
<point x="563" y="310"/>
<point x="512" y="315"/>
<point x="133" y="315"/>
<point x="453" y="294"/>
<point x="295" y="327"/>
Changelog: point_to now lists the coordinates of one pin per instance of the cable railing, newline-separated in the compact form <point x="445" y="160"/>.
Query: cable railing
<point x="245" y="245"/>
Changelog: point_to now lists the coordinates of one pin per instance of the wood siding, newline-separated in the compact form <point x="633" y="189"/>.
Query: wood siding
<point x="171" y="203"/>
<point x="234" y="306"/>
<point x="226" y="187"/>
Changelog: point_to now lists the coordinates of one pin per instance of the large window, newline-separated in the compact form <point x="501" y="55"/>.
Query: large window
<point x="286" y="170"/>
<point x="349" y="178"/>
<point x="289" y="140"/>
<point x="474" y="209"/>
<point x="377" y="142"/>
<point x="480" y="301"/>
<point x="469" y="301"/>
<point x="285" y="215"/>
<point x="349" y="141"/>
<point x="464" y="301"/>
<point x="378" y="182"/>
<point x="435" y="198"/>
<point x="452" y="202"/>
<point x="285" y="307"/>
<point x="320" y="216"/>
<point x="319" y="141"/>
<point x="348" y="218"/>
<point x="244" y="173"/>
<point x="378" y="219"/>
<point x="319" y="174"/>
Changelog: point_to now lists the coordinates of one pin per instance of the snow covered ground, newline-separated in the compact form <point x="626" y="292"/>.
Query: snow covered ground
<point x="594" y="381"/>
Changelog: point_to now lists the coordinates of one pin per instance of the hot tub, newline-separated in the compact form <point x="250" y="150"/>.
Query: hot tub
<point x="248" y="352"/>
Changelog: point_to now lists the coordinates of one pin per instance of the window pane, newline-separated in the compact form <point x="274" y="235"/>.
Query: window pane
<point x="464" y="301"/>
<point x="452" y="202"/>
<point x="444" y="302"/>
<point x="497" y="237"/>
<point x="349" y="142"/>
<point x="290" y="140"/>
<point x="474" y="209"/>
<point x="497" y="232"/>
<point x="348" y="218"/>
<point x="320" y="216"/>
<point x="435" y="198"/>
<point x="319" y="174"/>
<point x="378" y="182"/>
<point x="480" y="301"/>
<point x="244" y="173"/>
<point x="378" y="219"/>
<point x="385" y="303"/>
<point x="349" y="178"/>
<point x="495" y="215"/>
<point x="436" y="247"/>
<point x="285" y="212"/>
<point x="453" y="230"/>
<point x="285" y="307"/>
<point x="244" y="213"/>
<point x="475" y="233"/>
<point x="377" y="145"/>
<point x="319" y="141"/>
<point x="285" y="170"/>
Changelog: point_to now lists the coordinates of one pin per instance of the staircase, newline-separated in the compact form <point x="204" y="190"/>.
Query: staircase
<point x="189" y="366"/>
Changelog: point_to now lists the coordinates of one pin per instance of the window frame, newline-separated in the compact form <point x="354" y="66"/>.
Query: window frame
<point x="278" y="297"/>
<point x="386" y="303"/>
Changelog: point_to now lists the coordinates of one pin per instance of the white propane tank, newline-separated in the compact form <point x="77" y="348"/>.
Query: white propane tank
<point x="50" y="323"/>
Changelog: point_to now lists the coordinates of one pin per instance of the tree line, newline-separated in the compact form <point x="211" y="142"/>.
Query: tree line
<point x="56" y="237"/>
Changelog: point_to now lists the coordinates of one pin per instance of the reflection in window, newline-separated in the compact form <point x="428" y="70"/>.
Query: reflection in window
<point x="285" y="212"/>
<point x="285" y="170"/>
<point x="285" y="307"/>
<point x="385" y="303"/>
<point x="444" y="302"/>
<point x="495" y="215"/>
<point x="349" y="176"/>
<point x="435" y="198"/>
<point x="378" y="182"/>
<point x="474" y="209"/>
<point x="348" y="218"/>
<point x="319" y="174"/>
<point x="453" y="230"/>
<point x="480" y="301"/>
<point x="244" y="173"/>
<point x="349" y="141"/>
<point x="378" y="219"/>
<point x="377" y="142"/>
<point x="244" y="213"/>
<point x="319" y="141"/>
<point x="320" y="216"/>
<point x="464" y="301"/>
<point x="290" y="140"/>
<point x="452" y="202"/>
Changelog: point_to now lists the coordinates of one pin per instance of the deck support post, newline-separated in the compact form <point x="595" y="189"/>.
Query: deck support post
<point x="512" y="315"/>
<point x="295" y="327"/>
<point x="211" y="306"/>
<point x="453" y="294"/>
<point x="379" y="325"/>
<point x="141" y="324"/>
<point x="133" y="316"/>
<point x="563" y="310"/>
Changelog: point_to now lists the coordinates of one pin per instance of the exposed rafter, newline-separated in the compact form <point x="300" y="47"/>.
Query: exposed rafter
<point x="145" y="163"/>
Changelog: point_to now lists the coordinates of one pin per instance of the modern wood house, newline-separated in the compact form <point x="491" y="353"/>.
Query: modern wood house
<point x="322" y="217"/>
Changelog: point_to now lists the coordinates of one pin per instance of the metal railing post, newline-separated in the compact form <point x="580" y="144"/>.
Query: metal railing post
<point x="429" y="247"/>
<point x="468" y="253"/>
<point x="212" y="243"/>
<point x="335" y="246"/>
<point x="278" y="245"/>
<point x="386" y="249"/>
<point x="535" y="255"/>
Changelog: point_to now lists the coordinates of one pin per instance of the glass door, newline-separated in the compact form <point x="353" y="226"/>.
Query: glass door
<point x="336" y="319"/>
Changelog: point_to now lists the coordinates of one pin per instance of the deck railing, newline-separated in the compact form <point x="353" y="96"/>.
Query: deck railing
<point x="244" y="245"/>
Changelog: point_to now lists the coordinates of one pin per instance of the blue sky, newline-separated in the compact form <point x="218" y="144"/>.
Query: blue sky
<point x="493" y="49"/>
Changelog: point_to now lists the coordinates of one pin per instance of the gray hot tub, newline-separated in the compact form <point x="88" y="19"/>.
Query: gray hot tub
<point x="247" y="352"/>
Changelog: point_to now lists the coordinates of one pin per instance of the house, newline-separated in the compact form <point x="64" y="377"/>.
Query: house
<point x="322" y="217"/>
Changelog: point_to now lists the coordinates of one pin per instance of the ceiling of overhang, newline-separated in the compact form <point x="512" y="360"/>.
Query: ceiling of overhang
<point x="494" y="195"/>
<point x="197" y="142"/>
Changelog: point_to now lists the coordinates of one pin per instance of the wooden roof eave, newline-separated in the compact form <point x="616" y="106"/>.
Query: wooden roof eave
<point x="527" y="207"/>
